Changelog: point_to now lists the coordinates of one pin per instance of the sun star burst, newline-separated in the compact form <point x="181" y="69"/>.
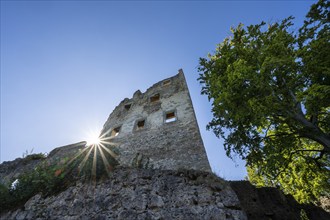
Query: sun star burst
<point x="98" y="153"/>
<point x="93" y="139"/>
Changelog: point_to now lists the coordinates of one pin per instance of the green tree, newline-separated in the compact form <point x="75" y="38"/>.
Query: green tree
<point x="299" y="176"/>
<point x="270" y="93"/>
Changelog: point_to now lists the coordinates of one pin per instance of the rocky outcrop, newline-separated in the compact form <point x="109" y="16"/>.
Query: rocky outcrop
<point x="132" y="193"/>
<point x="135" y="193"/>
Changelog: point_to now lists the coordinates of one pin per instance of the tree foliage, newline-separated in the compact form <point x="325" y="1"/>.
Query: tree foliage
<point x="298" y="176"/>
<point x="270" y="93"/>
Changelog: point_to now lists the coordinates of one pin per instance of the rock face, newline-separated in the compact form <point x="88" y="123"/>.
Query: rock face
<point x="133" y="193"/>
<point x="158" y="129"/>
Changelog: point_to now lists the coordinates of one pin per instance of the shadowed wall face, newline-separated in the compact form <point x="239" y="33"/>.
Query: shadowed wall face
<point x="158" y="129"/>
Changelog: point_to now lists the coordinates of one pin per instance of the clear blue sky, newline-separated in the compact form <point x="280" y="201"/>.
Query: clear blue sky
<point x="66" y="65"/>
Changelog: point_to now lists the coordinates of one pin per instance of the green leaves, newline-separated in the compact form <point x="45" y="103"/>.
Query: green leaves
<point x="270" y="90"/>
<point x="301" y="174"/>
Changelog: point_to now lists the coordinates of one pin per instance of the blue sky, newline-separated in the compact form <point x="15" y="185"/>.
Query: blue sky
<point x="65" y="65"/>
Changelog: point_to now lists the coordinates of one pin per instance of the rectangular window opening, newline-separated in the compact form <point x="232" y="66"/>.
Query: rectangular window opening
<point x="115" y="132"/>
<point x="170" y="117"/>
<point x="167" y="82"/>
<point x="155" y="98"/>
<point x="140" y="124"/>
<point x="128" y="106"/>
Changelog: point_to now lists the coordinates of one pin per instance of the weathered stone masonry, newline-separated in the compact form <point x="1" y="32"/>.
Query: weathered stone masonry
<point x="158" y="129"/>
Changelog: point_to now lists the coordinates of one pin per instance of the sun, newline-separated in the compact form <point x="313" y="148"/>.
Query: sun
<point x="98" y="148"/>
<point x="93" y="139"/>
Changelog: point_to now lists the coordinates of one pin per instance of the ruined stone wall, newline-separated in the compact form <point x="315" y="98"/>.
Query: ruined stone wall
<point x="145" y="139"/>
<point x="11" y="170"/>
<point x="267" y="203"/>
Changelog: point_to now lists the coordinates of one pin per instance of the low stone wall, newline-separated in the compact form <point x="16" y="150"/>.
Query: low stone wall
<point x="271" y="203"/>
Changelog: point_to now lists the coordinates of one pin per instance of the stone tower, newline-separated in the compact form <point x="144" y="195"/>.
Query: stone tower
<point x="158" y="129"/>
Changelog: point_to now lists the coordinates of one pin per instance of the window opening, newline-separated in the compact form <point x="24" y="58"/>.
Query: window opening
<point x="170" y="117"/>
<point x="155" y="98"/>
<point x="140" y="124"/>
<point x="167" y="82"/>
<point x="128" y="106"/>
<point x="115" y="132"/>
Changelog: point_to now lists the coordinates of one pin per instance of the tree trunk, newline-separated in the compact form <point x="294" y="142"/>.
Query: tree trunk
<point x="313" y="132"/>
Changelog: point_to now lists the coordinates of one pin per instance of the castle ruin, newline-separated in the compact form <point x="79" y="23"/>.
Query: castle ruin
<point x="158" y="129"/>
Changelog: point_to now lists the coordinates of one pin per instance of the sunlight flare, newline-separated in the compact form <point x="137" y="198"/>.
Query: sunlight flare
<point x="93" y="139"/>
<point x="97" y="153"/>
